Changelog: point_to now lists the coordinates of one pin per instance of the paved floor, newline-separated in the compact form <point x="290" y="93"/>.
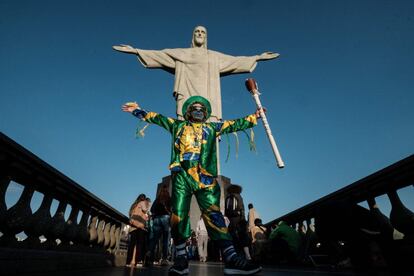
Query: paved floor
<point x="196" y="269"/>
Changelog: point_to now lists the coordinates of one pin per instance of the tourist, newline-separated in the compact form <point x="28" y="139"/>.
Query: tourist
<point x="160" y="211"/>
<point x="234" y="210"/>
<point x="258" y="238"/>
<point x="202" y="239"/>
<point x="252" y="216"/>
<point x="138" y="219"/>
<point x="285" y="243"/>
<point x="192" y="253"/>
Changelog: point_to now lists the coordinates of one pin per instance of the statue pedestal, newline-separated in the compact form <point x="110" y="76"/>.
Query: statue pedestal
<point x="195" y="213"/>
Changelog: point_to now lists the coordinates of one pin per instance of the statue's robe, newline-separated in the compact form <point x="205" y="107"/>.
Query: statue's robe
<point x="197" y="72"/>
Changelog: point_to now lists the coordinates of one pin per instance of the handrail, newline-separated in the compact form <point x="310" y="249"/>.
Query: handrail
<point x="389" y="179"/>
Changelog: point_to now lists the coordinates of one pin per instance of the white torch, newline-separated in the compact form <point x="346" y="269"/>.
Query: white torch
<point x="251" y="86"/>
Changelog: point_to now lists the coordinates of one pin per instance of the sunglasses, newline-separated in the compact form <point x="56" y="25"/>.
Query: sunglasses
<point x="198" y="108"/>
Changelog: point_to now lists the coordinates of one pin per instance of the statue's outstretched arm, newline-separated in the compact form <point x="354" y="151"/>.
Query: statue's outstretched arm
<point x="267" y="56"/>
<point x="149" y="58"/>
<point x="125" y="49"/>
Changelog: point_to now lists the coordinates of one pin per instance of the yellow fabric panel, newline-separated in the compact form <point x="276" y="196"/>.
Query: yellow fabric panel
<point x="252" y="119"/>
<point x="150" y="115"/>
<point x="226" y="124"/>
<point x="188" y="139"/>
<point x="174" y="219"/>
<point x="207" y="219"/>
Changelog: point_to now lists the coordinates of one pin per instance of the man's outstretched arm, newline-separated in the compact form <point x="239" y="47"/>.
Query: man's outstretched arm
<point x="150" y="117"/>
<point x="229" y="126"/>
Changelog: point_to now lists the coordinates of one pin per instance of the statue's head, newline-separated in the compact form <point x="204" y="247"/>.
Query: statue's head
<point x="196" y="109"/>
<point x="199" y="37"/>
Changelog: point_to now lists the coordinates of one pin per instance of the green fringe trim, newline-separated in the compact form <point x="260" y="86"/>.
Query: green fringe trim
<point x="252" y="142"/>
<point x="250" y="138"/>
<point x="140" y="132"/>
<point x="228" y="147"/>
<point x="237" y="144"/>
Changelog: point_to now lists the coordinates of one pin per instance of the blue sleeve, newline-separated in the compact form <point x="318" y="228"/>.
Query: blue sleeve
<point x="139" y="113"/>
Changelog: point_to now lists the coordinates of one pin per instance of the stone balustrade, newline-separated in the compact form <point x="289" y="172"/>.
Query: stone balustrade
<point x="92" y="225"/>
<point x="329" y="209"/>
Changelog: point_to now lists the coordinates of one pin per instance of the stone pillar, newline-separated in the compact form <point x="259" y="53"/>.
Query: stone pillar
<point x="57" y="225"/>
<point x="93" y="233"/>
<point x="4" y="183"/>
<point x="100" y="232"/>
<point x="39" y="223"/>
<point x="112" y="237"/>
<point x="18" y="216"/>
<point x="401" y="217"/>
<point x="71" y="228"/>
<point x="107" y="234"/>
<point x="83" y="233"/>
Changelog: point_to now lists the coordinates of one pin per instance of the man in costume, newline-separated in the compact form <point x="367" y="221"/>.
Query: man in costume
<point x="197" y="70"/>
<point x="194" y="171"/>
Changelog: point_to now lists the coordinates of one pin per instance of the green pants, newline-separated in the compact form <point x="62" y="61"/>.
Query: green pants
<point x="185" y="183"/>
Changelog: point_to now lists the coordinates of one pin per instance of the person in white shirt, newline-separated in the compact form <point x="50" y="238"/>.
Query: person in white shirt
<point x="252" y="216"/>
<point x="202" y="239"/>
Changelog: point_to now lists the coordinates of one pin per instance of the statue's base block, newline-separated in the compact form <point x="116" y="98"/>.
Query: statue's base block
<point x="195" y="213"/>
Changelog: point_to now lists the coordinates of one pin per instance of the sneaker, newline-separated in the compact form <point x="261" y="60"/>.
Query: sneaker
<point x="164" y="262"/>
<point x="147" y="263"/>
<point x="180" y="266"/>
<point x="240" y="266"/>
<point x="148" y="260"/>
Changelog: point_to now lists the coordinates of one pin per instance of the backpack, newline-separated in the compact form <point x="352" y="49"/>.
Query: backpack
<point x="232" y="206"/>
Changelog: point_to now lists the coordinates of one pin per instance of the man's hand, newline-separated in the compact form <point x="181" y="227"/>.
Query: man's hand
<point x="258" y="112"/>
<point x="125" y="49"/>
<point x="130" y="106"/>
<point x="267" y="56"/>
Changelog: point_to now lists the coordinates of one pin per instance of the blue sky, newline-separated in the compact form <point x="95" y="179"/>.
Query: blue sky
<point x="339" y="98"/>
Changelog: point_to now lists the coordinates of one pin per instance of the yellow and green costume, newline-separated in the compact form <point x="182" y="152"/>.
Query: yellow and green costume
<point x="194" y="168"/>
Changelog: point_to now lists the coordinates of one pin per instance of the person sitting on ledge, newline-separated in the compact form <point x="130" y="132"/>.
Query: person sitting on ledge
<point x="285" y="243"/>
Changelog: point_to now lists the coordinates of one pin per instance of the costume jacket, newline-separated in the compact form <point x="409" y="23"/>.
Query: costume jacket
<point x="210" y="131"/>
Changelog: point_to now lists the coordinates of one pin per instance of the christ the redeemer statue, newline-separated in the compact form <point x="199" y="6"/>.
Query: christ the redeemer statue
<point x="197" y="70"/>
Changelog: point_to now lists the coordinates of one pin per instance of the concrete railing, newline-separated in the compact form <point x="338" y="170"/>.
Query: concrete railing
<point x="92" y="233"/>
<point x="386" y="181"/>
